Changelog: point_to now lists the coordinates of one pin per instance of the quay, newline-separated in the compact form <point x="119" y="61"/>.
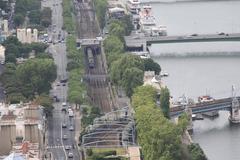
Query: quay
<point x="139" y="40"/>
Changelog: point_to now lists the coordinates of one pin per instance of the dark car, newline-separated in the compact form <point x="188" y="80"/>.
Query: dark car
<point x="63" y="80"/>
<point x="64" y="84"/>
<point x="194" y="34"/>
<point x="221" y="33"/>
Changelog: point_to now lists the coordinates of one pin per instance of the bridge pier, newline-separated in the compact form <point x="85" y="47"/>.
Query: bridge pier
<point x="188" y="110"/>
<point x="234" y="112"/>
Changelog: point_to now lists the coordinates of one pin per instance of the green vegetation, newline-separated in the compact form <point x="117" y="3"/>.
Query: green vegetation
<point x="32" y="10"/>
<point x="196" y="152"/>
<point x="127" y="71"/>
<point x="164" y="101"/>
<point x="150" y="65"/>
<point x="104" y="154"/>
<point x="45" y="101"/>
<point x="68" y="20"/>
<point x="101" y="8"/>
<point x="158" y="137"/>
<point x="15" y="49"/>
<point x="25" y="81"/>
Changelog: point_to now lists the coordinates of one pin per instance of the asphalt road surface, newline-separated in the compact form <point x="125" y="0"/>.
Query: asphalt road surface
<point x="59" y="138"/>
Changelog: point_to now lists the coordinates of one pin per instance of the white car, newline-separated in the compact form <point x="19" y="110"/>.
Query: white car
<point x="70" y="155"/>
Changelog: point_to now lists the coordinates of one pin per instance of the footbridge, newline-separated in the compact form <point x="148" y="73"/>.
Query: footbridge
<point x="230" y="104"/>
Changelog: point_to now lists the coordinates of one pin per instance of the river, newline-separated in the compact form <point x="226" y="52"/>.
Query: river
<point x="203" y="68"/>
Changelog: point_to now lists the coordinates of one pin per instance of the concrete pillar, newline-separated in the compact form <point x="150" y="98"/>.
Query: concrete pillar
<point x="29" y="35"/>
<point x="188" y="110"/>
<point x="235" y="114"/>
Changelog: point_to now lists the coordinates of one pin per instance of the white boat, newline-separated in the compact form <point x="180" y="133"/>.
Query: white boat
<point x="148" y="23"/>
<point x="133" y="6"/>
<point x="142" y="54"/>
<point x="164" y="74"/>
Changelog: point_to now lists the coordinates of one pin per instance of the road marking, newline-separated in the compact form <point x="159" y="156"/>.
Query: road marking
<point x="55" y="147"/>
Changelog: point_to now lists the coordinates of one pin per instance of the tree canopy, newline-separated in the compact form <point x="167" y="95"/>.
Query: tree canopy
<point x="164" y="101"/>
<point x="24" y="81"/>
<point x="158" y="137"/>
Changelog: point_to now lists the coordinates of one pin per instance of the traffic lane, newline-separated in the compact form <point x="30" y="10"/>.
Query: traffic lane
<point x="2" y="95"/>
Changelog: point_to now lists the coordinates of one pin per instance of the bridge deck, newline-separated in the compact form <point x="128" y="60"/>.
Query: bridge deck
<point x="140" y="39"/>
<point x="219" y="104"/>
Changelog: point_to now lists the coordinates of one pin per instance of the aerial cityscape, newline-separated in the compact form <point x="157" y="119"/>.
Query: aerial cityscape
<point x="119" y="79"/>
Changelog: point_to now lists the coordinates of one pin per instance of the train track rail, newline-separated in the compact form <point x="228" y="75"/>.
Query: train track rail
<point x="87" y="28"/>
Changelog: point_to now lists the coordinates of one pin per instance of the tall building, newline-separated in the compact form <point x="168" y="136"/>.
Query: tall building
<point x="20" y="123"/>
<point x="2" y="54"/>
<point x="27" y="36"/>
<point x="5" y="26"/>
<point x="35" y="35"/>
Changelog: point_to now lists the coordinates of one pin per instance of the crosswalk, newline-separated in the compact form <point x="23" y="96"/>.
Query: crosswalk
<point x="54" y="147"/>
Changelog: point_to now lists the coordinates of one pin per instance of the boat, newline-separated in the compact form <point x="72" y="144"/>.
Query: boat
<point x="205" y="98"/>
<point x="164" y="74"/>
<point x="147" y="23"/>
<point x="133" y="6"/>
<point x="142" y="54"/>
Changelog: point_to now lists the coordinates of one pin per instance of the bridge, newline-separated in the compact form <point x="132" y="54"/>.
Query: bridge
<point x="230" y="104"/>
<point x="141" y="40"/>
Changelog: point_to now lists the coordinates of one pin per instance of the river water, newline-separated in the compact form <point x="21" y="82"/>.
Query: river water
<point x="203" y="68"/>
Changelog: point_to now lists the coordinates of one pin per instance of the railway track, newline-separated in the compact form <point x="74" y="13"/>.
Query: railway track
<point x="87" y="28"/>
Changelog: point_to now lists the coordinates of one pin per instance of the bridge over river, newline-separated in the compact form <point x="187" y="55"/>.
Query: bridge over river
<point x="230" y="104"/>
<point x="139" y="40"/>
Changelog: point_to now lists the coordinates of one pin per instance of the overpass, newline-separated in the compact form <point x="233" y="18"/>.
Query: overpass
<point x="141" y="40"/>
<point x="229" y="104"/>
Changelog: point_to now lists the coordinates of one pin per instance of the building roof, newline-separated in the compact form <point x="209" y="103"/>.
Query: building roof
<point x="15" y="156"/>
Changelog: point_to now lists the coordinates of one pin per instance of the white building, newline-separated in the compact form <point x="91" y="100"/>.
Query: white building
<point x="2" y="54"/>
<point x="27" y="36"/>
<point x="5" y="26"/>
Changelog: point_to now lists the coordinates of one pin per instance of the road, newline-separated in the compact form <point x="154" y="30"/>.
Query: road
<point x="2" y="95"/>
<point x="55" y="142"/>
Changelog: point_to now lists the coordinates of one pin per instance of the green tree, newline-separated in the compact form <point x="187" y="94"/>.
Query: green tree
<point x="35" y="16"/>
<point x="45" y="101"/>
<point x="113" y="44"/>
<point x="164" y="101"/>
<point x="132" y="77"/>
<point x="101" y="8"/>
<point x="46" y="16"/>
<point x="150" y="65"/>
<point x="18" y="19"/>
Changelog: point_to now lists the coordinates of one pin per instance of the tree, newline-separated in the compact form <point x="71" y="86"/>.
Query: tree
<point x="46" y="15"/>
<point x="125" y="62"/>
<point x="132" y="77"/>
<point x="117" y="29"/>
<point x="164" y="101"/>
<point x="45" y="101"/>
<point x="113" y="44"/>
<point x="37" y="74"/>
<point x="158" y="137"/>
<point x="18" y="19"/>
<point x="35" y="16"/>
<point x="101" y="8"/>
<point x="150" y="65"/>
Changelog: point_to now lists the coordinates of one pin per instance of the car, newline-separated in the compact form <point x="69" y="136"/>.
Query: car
<point x="64" y="125"/>
<point x="63" y="80"/>
<point x="64" y="84"/>
<point x="221" y="33"/>
<point x="68" y="147"/>
<point x="70" y="155"/>
<point x="71" y="128"/>
<point x="194" y="34"/>
<point x="64" y="137"/>
<point x="58" y="84"/>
